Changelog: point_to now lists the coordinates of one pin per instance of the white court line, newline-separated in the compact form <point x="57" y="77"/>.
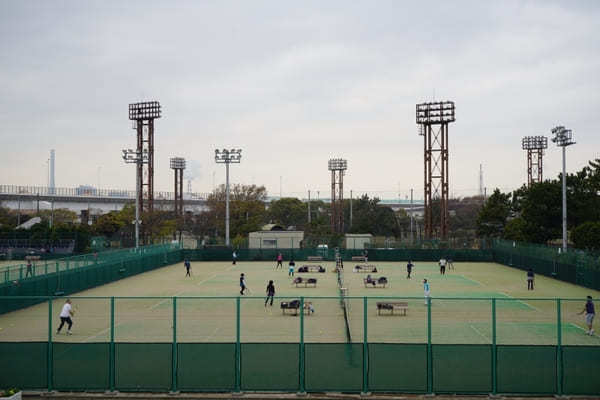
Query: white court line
<point x="520" y="301"/>
<point x="213" y="334"/>
<point x="152" y="307"/>
<point x="577" y="326"/>
<point x="472" y="280"/>
<point x="479" y="332"/>
<point x="156" y="305"/>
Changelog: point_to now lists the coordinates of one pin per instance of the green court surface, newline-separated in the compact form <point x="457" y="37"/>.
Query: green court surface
<point x="205" y="310"/>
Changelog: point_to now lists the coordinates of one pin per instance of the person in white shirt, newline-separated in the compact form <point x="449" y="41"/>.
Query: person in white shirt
<point x="65" y="316"/>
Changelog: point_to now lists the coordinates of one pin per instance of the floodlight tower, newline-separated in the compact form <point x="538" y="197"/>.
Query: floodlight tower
<point x="178" y="165"/>
<point x="338" y="167"/>
<point x="143" y="115"/>
<point x="139" y="158"/>
<point x="535" y="146"/>
<point x="563" y="137"/>
<point x="227" y="157"/>
<point x="433" y="119"/>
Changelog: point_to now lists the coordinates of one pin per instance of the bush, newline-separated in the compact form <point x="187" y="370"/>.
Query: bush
<point x="587" y="236"/>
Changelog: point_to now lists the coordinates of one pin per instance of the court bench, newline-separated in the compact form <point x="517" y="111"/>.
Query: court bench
<point x="376" y="282"/>
<point x="358" y="258"/>
<point x="391" y="306"/>
<point x="294" y="307"/>
<point x="365" y="268"/>
<point x="311" y="268"/>
<point x="305" y="281"/>
<point x="314" y="258"/>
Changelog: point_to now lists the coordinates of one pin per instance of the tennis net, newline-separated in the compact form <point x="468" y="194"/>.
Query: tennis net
<point x="344" y="302"/>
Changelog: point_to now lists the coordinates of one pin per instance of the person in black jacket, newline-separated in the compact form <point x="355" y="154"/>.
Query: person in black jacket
<point x="270" y="293"/>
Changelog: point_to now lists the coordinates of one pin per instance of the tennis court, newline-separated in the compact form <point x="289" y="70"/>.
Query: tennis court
<point x="206" y="307"/>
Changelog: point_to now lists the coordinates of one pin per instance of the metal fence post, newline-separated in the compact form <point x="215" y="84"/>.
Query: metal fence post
<point x="111" y="369"/>
<point x="237" y="347"/>
<point x="302" y="361"/>
<point x="174" y="349"/>
<point x="429" y="355"/>
<point x="365" y="388"/>
<point x="50" y="353"/>
<point x="494" y="354"/>
<point x="559" y="369"/>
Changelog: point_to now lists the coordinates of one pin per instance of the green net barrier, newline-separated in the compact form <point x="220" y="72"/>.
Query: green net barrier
<point x="206" y="367"/>
<point x="471" y="372"/>
<point x="575" y="266"/>
<point x="580" y="369"/>
<point x="527" y="369"/>
<point x="277" y="361"/>
<point x="130" y="343"/>
<point x="333" y="367"/>
<point x="81" y="366"/>
<point x="24" y="365"/>
<point x="397" y="367"/>
<point x="143" y="366"/>
<point x="225" y="254"/>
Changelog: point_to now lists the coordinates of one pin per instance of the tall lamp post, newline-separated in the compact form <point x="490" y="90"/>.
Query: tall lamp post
<point x="227" y="157"/>
<point x="138" y="158"/>
<point x="563" y="137"/>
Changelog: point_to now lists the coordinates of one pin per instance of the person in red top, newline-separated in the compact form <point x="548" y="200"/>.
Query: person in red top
<point x="279" y="261"/>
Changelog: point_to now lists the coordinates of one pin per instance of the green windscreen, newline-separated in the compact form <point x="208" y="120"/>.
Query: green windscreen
<point x="462" y="368"/>
<point x="333" y="367"/>
<point x="143" y="366"/>
<point x="526" y="369"/>
<point x="270" y="366"/>
<point x="81" y="366"/>
<point x="206" y="367"/>
<point x="23" y="365"/>
<point x="397" y="367"/>
<point x="581" y="366"/>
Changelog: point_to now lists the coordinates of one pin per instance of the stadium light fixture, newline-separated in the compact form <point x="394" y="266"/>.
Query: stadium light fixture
<point x="227" y="156"/>
<point x="563" y="137"/>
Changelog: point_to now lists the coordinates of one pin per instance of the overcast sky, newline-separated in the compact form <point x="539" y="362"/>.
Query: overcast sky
<point x="294" y="84"/>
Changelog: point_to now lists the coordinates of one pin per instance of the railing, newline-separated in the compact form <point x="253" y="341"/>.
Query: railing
<point x="90" y="192"/>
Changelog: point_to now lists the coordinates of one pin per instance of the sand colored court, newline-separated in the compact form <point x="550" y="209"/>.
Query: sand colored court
<point x="206" y="307"/>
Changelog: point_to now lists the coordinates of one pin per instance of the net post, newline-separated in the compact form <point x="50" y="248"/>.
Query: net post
<point x="111" y="367"/>
<point x="365" y="387"/>
<point x="49" y="352"/>
<point x="237" y="346"/>
<point x="46" y="267"/>
<point x="302" y="389"/>
<point x="494" y="348"/>
<point x="174" y="348"/>
<point x="429" y="355"/>
<point x="559" y="372"/>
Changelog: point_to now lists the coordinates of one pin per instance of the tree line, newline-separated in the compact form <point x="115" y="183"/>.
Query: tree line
<point x="534" y="214"/>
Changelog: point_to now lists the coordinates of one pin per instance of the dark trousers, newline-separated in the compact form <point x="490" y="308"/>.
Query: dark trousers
<point x="29" y="272"/>
<point x="529" y="284"/>
<point x="242" y="288"/>
<point x="188" y="272"/>
<point x="443" y="270"/>
<point x="269" y="296"/>
<point x="408" y="276"/>
<point x="62" y="322"/>
<point x="279" y="264"/>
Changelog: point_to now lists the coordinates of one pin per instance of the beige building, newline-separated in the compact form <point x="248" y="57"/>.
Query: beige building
<point x="358" y="240"/>
<point x="274" y="237"/>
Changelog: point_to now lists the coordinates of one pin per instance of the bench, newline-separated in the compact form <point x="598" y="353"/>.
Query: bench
<point x="391" y="306"/>
<point x="311" y="268"/>
<point x="365" y="268"/>
<point x="314" y="258"/>
<point x="358" y="258"/>
<point x="294" y="307"/>
<point x="305" y="281"/>
<point x="32" y="258"/>
<point x="376" y="282"/>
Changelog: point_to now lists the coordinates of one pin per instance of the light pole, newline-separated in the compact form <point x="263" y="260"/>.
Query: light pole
<point x="138" y="158"/>
<point x="563" y="137"/>
<point x="227" y="157"/>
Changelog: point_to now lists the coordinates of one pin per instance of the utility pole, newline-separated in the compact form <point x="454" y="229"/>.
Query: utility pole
<point x="309" y="206"/>
<point x="351" y="208"/>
